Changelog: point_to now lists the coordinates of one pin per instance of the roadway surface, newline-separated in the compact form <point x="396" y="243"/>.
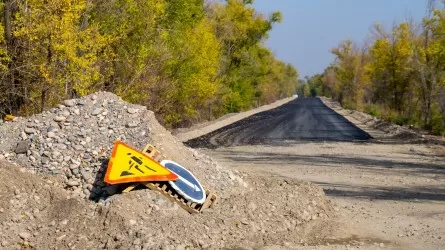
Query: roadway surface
<point x="303" y="119"/>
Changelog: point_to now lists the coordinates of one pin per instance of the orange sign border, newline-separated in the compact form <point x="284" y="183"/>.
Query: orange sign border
<point x="169" y="177"/>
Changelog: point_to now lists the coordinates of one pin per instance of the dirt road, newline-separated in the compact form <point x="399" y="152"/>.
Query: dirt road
<point x="391" y="195"/>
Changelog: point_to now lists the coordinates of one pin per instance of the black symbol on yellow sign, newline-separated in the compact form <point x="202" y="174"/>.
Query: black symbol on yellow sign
<point x="136" y="163"/>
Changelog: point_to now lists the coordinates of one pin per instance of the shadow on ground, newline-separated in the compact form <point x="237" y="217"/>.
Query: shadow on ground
<point x="367" y="165"/>
<point x="432" y="193"/>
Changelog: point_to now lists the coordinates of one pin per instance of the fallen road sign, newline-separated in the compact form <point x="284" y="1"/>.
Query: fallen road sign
<point x="128" y="165"/>
<point x="186" y="185"/>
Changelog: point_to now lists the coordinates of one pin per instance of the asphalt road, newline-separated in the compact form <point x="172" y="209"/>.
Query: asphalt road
<point x="303" y="119"/>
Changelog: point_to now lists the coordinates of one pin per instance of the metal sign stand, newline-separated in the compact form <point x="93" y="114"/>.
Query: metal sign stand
<point x="169" y="192"/>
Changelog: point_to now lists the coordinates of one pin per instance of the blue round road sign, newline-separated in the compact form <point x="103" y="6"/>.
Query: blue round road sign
<point x="186" y="185"/>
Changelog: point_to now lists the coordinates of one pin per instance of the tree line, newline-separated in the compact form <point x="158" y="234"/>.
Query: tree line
<point x="187" y="60"/>
<point x="397" y="75"/>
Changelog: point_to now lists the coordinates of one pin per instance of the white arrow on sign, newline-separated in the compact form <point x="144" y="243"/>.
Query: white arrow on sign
<point x="188" y="183"/>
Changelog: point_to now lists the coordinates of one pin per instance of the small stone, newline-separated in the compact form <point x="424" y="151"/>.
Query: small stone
<point x="78" y="147"/>
<point x="59" y="118"/>
<point x="69" y="103"/>
<point x="132" y="124"/>
<point x="94" y="97"/>
<point x="51" y="129"/>
<point x="72" y="183"/>
<point x="86" y="192"/>
<point x="22" y="147"/>
<point x="30" y="131"/>
<point x="23" y="135"/>
<point x="85" y="175"/>
<point x="65" y="113"/>
<point x="24" y="235"/>
<point x="81" y="102"/>
<point x="76" y="111"/>
<point x="132" y="222"/>
<point x="45" y="160"/>
<point x="96" y="111"/>
<point x="51" y="134"/>
<point x="132" y="111"/>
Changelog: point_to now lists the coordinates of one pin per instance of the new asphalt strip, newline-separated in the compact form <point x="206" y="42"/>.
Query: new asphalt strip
<point x="303" y="119"/>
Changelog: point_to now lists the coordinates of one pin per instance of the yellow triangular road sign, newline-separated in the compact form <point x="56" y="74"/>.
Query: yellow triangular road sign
<point x="130" y="165"/>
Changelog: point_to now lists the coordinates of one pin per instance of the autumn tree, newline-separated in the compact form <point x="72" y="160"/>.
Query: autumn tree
<point x="350" y="74"/>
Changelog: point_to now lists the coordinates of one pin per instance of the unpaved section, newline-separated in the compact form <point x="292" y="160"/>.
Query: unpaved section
<point x="391" y="195"/>
<point x="205" y="128"/>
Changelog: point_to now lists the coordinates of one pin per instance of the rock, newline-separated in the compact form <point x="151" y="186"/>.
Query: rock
<point x="65" y="113"/>
<point x="78" y="147"/>
<point x="45" y="160"/>
<point x="59" y="118"/>
<point x="86" y="175"/>
<point x="51" y="135"/>
<point x="132" y="124"/>
<point x="76" y="111"/>
<point x="25" y="235"/>
<point x="96" y="111"/>
<point x="22" y="147"/>
<point x="23" y="135"/>
<point x="51" y="129"/>
<point x="30" y="130"/>
<point x="132" y="222"/>
<point x="72" y="183"/>
<point x="69" y="103"/>
<point x="132" y="111"/>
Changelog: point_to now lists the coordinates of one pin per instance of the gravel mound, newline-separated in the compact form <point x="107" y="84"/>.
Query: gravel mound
<point x="74" y="141"/>
<point x="36" y="213"/>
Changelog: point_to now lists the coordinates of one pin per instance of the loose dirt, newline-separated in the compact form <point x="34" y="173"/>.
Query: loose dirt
<point x="52" y="194"/>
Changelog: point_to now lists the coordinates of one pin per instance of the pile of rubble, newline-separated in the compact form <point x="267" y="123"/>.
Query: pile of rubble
<point x="74" y="142"/>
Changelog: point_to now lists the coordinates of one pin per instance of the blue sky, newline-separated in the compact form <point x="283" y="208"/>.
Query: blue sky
<point x="312" y="27"/>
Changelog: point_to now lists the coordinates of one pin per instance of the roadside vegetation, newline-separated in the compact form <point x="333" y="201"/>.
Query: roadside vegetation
<point x="397" y="75"/>
<point x="187" y="60"/>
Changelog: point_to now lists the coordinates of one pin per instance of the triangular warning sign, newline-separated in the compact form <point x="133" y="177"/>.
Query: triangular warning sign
<point x="130" y="165"/>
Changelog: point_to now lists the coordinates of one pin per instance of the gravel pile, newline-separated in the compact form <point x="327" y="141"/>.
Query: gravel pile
<point x="74" y="141"/>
